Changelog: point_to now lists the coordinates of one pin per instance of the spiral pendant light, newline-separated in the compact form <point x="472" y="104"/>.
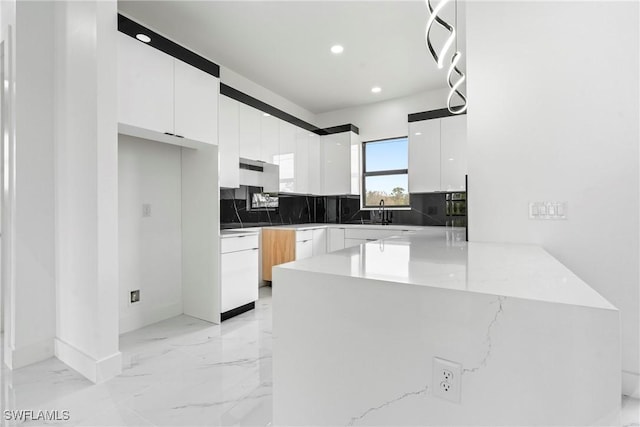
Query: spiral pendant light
<point x="455" y="77"/>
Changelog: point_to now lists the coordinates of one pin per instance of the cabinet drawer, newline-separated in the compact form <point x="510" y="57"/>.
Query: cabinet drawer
<point x="370" y="233"/>
<point x="303" y="235"/>
<point x="240" y="243"/>
<point x="239" y="274"/>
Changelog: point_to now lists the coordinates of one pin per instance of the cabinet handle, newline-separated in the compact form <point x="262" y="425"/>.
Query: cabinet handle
<point x="371" y="240"/>
<point x="178" y="136"/>
<point x="169" y="133"/>
<point x="254" y="249"/>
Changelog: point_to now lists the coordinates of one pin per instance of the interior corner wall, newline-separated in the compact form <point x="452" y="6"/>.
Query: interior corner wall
<point x="150" y="247"/>
<point x="553" y="116"/>
<point x="28" y="241"/>
<point x="385" y="119"/>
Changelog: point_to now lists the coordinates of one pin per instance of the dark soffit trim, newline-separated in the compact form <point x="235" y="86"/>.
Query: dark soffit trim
<point x="239" y="96"/>
<point x="428" y="115"/>
<point x="132" y="28"/>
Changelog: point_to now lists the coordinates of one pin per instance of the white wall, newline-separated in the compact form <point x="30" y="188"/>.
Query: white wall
<point x="385" y="119"/>
<point x="553" y="116"/>
<point x="28" y="199"/>
<point x="150" y="248"/>
<point x="86" y="176"/>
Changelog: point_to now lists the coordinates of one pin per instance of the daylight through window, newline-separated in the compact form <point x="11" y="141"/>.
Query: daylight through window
<point x="385" y="172"/>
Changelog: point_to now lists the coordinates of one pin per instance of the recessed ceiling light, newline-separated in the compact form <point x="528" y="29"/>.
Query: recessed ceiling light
<point x="418" y="133"/>
<point x="337" y="49"/>
<point x="267" y="115"/>
<point x="376" y="89"/>
<point x="451" y="159"/>
<point x="143" y="38"/>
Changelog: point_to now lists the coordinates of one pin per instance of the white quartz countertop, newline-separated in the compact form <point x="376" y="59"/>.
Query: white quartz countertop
<point x="439" y="257"/>
<point x="355" y="226"/>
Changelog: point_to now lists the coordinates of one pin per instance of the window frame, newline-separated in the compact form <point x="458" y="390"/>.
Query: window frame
<point x="365" y="174"/>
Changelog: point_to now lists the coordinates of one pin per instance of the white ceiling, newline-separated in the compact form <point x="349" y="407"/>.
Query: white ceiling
<point x="284" y="45"/>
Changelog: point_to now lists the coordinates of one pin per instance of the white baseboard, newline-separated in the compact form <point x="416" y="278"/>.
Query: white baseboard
<point x="94" y="370"/>
<point x="16" y="358"/>
<point x="142" y="318"/>
<point x="631" y="384"/>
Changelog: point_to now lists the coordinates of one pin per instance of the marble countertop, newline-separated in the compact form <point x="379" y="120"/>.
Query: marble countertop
<point x="439" y="257"/>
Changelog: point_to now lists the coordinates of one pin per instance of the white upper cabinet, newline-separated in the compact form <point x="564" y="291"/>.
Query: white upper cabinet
<point x="162" y="94"/>
<point x="314" y="184"/>
<point x="145" y="86"/>
<point x="269" y="138"/>
<point x="228" y="142"/>
<point x="302" y="161"/>
<point x="336" y="163"/>
<point x="287" y="157"/>
<point x="250" y="121"/>
<point x="195" y="103"/>
<point x="424" y="156"/>
<point x="453" y="148"/>
<point x="356" y="150"/>
<point x="438" y="154"/>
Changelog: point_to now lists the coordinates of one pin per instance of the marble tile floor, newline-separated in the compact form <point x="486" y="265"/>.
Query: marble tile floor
<point x="178" y="372"/>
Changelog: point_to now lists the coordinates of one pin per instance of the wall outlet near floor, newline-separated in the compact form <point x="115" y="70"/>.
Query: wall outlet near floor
<point x="135" y="296"/>
<point x="447" y="379"/>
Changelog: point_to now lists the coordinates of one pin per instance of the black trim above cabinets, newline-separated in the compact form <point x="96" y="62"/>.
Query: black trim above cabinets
<point x="236" y="311"/>
<point x="132" y="29"/>
<point x="339" y="129"/>
<point x="249" y="100"/>
<point x="428" y="115"/>
<point x="266" y="108"/>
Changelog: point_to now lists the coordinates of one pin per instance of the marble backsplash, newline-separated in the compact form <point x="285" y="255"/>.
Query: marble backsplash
<point x="432" y="209"/>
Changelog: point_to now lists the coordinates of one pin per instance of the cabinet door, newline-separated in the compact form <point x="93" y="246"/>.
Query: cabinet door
<point x="335" y="239"/>
<point x="145" y="86"/>
<point x="356" y="150"/>
<point x="453" y="147"/>
<point x="269" y="134"/>
<point x="319" y="241"/>
<point x="336" y="163"/>
<point x="424" y="156"/>
<point x="250" y="132"/>
<point x="196" y="103"/>
<point x="301" y="162"/>
<point x="228" y="142"/>
<point x="354" y="242"/>
<point x="239" y="276"/>
<point x="287" y="157"/>
<point x="304" y="249"/>
<point x="314" y="185"/>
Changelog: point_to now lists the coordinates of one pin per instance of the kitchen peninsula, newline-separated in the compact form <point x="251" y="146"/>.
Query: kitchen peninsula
<point x="356" y="332"/>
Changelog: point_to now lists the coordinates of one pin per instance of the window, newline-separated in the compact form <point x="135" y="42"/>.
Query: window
<point x="385" y="173"/>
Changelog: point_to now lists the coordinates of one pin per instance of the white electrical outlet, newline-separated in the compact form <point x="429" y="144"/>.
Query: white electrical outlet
<point x="146" y="210"/>
<point x="447" y="379"/>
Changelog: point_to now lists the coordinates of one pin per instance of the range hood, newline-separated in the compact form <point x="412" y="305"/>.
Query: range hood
<point x="255" y="173"/>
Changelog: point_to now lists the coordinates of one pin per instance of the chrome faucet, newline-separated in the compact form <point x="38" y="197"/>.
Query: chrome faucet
<point x="381" y="212"/>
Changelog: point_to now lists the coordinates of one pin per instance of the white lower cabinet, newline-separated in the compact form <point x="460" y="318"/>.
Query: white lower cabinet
<point x="354" y="242"/>
<point x="319" y="241"/>
<point x="335" y="239"/>
<point x="239" y="271"/>
<point x="304" y="249"/>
